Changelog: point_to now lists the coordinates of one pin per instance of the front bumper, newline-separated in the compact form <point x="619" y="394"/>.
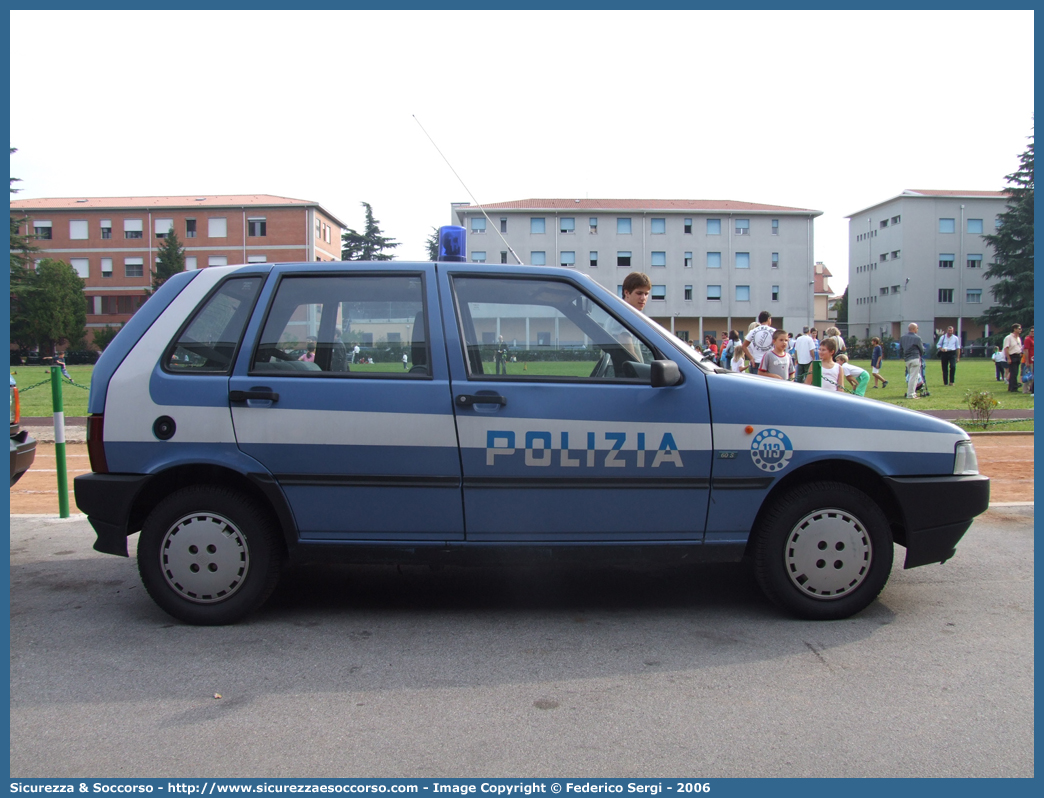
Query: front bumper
<point x="23" y="453"/>
<point x="937" y="511"/>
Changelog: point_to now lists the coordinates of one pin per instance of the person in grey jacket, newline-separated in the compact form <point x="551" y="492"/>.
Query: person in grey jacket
<point x="911" y="347"/>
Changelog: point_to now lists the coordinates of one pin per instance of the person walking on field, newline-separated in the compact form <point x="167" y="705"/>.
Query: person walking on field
<point x="949" y="347"/>
<point x="1027" y="361"/>
<point x="805" y="347"/>
<point x="1012" y="350"/>
<point x="911" y="347"/>
<point x="875" y="362"/>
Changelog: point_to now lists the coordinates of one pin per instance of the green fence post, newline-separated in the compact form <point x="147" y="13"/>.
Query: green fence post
<point x="817" y="373"/>
<point x="59" y="441"/>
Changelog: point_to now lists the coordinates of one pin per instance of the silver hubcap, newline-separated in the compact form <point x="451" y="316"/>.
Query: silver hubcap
<point x="828" y="554"/>
<point x="204" y="558"/>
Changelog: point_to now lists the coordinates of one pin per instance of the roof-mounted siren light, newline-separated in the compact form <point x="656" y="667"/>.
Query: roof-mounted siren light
<point x="453" y="244"/>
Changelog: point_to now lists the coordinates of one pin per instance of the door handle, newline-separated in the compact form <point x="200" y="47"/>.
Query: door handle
<point x="253" y="393"/>
<point x="467" y="400"/>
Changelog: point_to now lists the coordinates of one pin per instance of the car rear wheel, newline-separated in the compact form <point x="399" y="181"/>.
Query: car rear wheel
<point x="823" y="551"/>
<point x="209" y="556"/>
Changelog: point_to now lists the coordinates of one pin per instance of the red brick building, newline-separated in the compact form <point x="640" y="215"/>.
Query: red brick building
<point x="113" y="242"/>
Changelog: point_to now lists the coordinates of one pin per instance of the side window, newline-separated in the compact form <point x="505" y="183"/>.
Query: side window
<point x="207" y="344"/>
<point x="358" y="324"/>
<point x="536" y="329"/>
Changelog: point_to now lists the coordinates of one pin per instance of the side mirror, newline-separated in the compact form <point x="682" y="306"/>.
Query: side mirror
<point x="665" y="373"/>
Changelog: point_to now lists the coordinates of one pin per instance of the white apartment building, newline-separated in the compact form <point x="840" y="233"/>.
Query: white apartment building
<point x="714" y="264"/>
<point x="920" y="257"/>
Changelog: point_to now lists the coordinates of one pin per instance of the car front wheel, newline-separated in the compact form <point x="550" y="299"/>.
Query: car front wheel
<point x="209" y="556"/>
<point x="823" y="551"/>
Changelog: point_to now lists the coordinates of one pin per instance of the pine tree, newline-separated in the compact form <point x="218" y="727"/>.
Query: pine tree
<point x="368" y="246"/>
<point x="1012" y="244"/>
<point x="22" y="248"/>
<point x="171" y="257"/>
<point x="432" y="243"/>
<point x="53" y="310"/>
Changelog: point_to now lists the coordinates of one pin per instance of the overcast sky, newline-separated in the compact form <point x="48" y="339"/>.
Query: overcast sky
<point x="831" y="111"/>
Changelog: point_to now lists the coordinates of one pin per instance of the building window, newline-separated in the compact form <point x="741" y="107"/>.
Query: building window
<point x="775" y="293"/>
<point x="217" y="260"/>
<point x="743" y="293"/>
<point x="714" y="227"/>
<point x="42" y="230"/>
<point x="743" y="227"/>
<point x="974" y="296"/>
<point x="895" y="254"/>
<point x="775" y="227"/>
<point x="218" y="227"/>
<point x="946" y="296"/>
<point x="81" y="266"/>
<point x="106" y="228"/>
<point x="536" y="224"/>
<point x="568" y="259"/>
<point x="688" y="226"/>
<point x="190" y="263"/>
<point x="714" y="293"/>
<point x="657" y="227"/>
<point x="742" y="260"/>
<point x="106" y="267"/>
<point x="946" y="225"/>
<point x="133" y="267"/>
<point x="883" y="291"/>
<point x="975" y="226"/>
<point x="593" y="222"/>
<point x="567" y="224"/>
<point x="658" y="259"/>
<point x="478" y="225"/>
<point x="658" y="292"/>
<point x="478" y="257"/>
<point x="503" y="226"/>
<point x="132" y="228"/>
<point x="78" y="230"/>
<point x="895" y="289"/>
<point x="257" y="259"/>
<point x="775" y="260"/>
<point x="688" y="260"/>
<point x="163" y="226"/>
<point x="619" y="291"/>
<point x="318" y="229"/>
<point x="623" y="226"/>
<point x="975" y="261"/>
<point x="257" y="226"/>
<point x="594" y="260"/>
<point x="883" y="257"/>
<point x="997" y="223"/>
<point x="503" y="257"/>
<point x="895" y="219"/>
<point x="946" y="261"/>
<point x="623" y="259"/>
<point x="713" y="260"/>
<point x="688" y="293"/>
<point x="190" y="228"/>
<point x="538" y="258"/>
<point x="884" y="223"/>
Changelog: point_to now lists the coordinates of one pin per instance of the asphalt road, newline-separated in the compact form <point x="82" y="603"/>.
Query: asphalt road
<point x="373" y="671"/>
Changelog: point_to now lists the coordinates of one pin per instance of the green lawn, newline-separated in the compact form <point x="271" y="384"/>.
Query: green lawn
<point x="972" y="374"/>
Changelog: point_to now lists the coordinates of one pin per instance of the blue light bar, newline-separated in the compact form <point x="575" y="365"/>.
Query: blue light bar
<point x="453" y="244"/>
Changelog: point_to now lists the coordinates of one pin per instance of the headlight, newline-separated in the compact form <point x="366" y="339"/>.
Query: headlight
<point x="964" y="460"/>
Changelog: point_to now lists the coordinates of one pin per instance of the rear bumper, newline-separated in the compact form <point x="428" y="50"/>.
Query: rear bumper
<point x="106" y="500"/>
<point x="23" y="453"/>
<point x="937" y="511"/>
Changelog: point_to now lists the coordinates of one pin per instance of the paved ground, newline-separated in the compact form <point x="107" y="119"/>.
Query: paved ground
<point x="683" y="671"/>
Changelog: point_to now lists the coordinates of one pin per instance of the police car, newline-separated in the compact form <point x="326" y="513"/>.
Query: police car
<point x="233" y="453"/>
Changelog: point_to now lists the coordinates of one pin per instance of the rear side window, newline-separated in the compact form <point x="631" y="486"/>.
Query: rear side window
<point x="207" y="344"/>
<point x="357" y="324"/>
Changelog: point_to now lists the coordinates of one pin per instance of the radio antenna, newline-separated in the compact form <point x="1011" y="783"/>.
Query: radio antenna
<point x="477" y="204"/>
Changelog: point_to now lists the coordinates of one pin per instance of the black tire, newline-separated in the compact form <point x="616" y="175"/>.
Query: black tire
<point x="824" y="551"/>
<point x="209" y="556"/>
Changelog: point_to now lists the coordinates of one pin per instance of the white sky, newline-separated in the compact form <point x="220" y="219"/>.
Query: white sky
<point x="827" y="110"/>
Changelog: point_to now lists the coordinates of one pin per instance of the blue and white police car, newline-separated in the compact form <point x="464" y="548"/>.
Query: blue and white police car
<point x="234" y="424"/>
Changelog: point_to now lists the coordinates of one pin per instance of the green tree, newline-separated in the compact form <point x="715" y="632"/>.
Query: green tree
<point x="171" y="257"/>
<point x="432" y="243"/>
<point x="1012" y="267"/>
<point x="370" y="245"/>
<point x="53" y="311"/>
<point x="22" y="248"/>
<point x="104" y="336"/>
<point x="842" y="308"/>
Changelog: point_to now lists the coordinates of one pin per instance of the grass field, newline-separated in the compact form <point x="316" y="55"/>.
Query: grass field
<point x="972" y="374"/>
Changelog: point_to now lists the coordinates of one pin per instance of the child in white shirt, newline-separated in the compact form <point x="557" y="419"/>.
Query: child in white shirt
<point x="855" y="376"/>
<point x="831" y="370"/>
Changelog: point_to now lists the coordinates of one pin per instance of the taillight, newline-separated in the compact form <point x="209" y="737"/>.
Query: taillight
<point x="96" y="443"/>
<point x="16" y="412"/>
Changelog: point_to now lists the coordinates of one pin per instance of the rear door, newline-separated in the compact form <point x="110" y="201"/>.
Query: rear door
<point x="362" y="450"/>
<point x="562" y="436"/>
